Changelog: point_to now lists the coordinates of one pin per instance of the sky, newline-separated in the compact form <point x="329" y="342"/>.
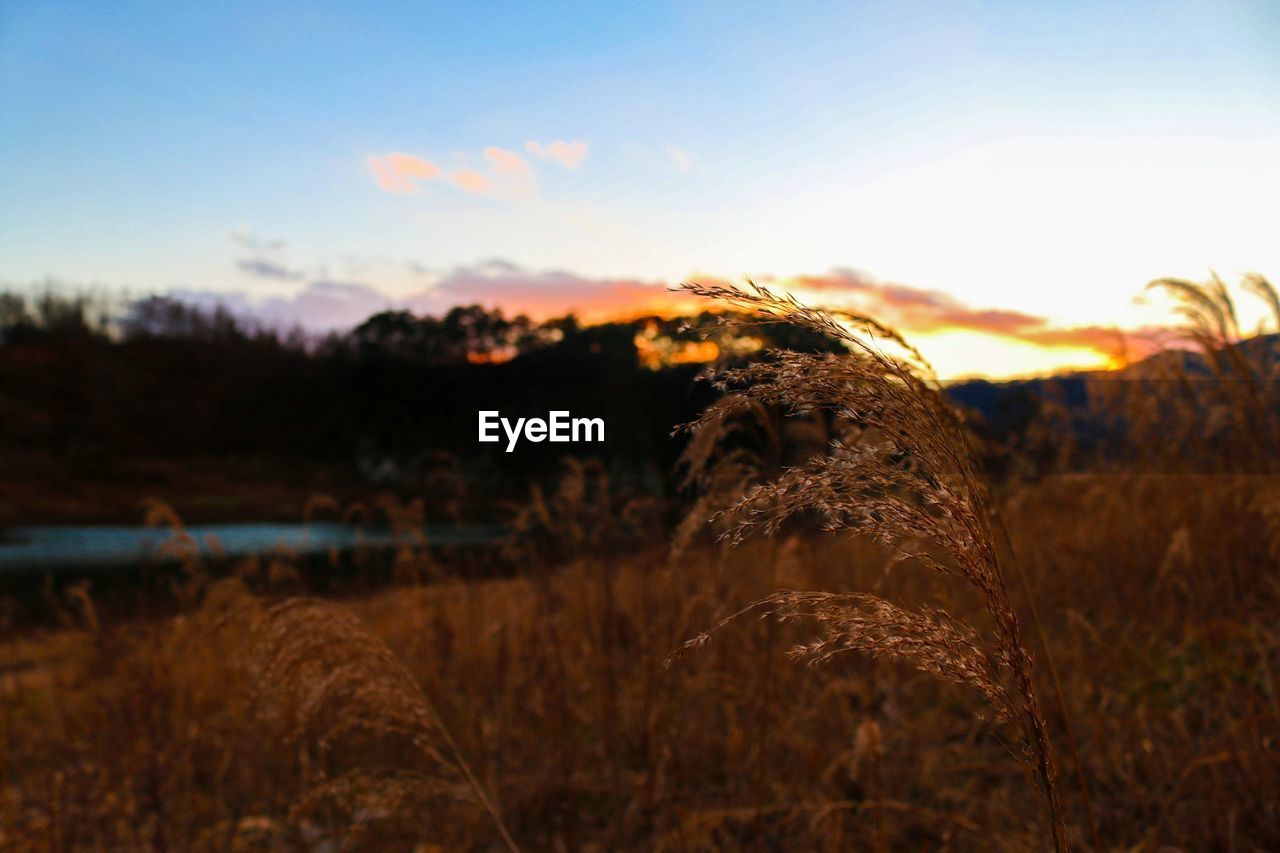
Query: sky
<point x="1001" y="180"/>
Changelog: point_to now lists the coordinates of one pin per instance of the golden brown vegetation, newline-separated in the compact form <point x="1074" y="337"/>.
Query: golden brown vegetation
<point x="900" y="472"/>
<point x="436" y="714"/>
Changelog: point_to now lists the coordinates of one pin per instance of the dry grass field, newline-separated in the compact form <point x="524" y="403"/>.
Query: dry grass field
<point x="1085" y="659"/>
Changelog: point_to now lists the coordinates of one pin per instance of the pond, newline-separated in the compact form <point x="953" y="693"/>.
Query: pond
<point x="65" y="546"/>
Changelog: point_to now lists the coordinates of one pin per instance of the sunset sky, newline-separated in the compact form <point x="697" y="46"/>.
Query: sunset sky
<point x="1000" y="180"/>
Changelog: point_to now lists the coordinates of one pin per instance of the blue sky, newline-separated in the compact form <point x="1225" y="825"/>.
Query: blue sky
<point x="1046" y="159"/>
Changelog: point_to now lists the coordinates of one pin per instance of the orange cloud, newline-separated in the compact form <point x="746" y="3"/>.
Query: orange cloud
<point x="399" y="173"/>
<point x="567" y="154"/>
<point x="919" y="311"/>
<point x="506" y="174"/>
<point x="510" y="171"/>
<point x="1113" y="342"/>
<point x="914" y="309"/>
<point x="469" y="180"/>
<point x="542" y="295"/>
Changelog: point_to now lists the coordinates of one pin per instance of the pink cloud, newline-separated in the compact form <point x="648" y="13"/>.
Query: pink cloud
<point x="567" y="154"/>
<point x="552" y="293"/>
<point x="469" y="180"/>
<point x="399" y="173"/>
<point x="510" y="171"/>
<point x="919" y="311"/>
<point x="320" y="306"/>
<point x="915" y="309"/>
<point x="507" y="162"/>
<point x="506" y="174"/>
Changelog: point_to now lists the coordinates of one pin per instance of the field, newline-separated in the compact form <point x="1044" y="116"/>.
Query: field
<point x="1103" y="676"/>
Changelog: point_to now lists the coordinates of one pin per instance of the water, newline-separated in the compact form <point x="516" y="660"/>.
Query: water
<point x="26" y="548"/>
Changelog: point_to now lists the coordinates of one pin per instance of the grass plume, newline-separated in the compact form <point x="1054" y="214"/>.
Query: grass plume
<point x="903" y="475"/>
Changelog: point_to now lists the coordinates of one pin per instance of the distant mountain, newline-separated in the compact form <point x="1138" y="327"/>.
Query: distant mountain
<point x="1008" y="407"/>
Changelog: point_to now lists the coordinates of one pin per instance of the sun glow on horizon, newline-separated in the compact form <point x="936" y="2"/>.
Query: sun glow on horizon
<point x="963" y="354"/>
<point x="955" y="353"/>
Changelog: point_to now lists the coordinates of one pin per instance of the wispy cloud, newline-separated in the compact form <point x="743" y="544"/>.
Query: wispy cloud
<point x="512" y="175"/>
<point x="245" y="236"/>
<point x="268" y="269"/>
<point x="469" y="181"/>
<point x="264" y="254"/>
<point x="567" y="154"/>
<point x="506" y="174"/>
<point x="400" y="173"/>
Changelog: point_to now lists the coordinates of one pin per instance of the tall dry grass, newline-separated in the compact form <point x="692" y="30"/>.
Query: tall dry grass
<point x="149" y="735"/>
<point x="902" y="474"/>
